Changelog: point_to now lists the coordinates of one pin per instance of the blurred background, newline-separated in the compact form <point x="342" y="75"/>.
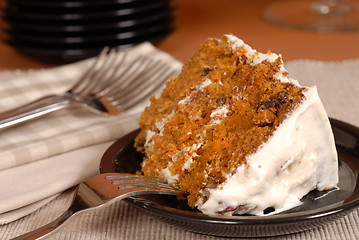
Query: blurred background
<point x="41" y="33"/>
<point x="67" y="31"/>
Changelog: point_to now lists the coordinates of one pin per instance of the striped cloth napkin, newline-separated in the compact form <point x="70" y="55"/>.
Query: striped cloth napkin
<point x="64" y="130"/>
<point x="36" y="149"/>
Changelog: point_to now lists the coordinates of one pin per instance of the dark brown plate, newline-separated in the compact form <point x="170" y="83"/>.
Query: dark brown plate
<point x="317" y="209"/>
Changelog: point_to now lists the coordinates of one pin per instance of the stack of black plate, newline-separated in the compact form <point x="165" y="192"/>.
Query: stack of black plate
<point x="67" y="31"/>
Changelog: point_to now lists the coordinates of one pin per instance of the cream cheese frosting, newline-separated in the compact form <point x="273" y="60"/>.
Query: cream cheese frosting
<point x="255" y="58"/>
<point x="299" y="157"/>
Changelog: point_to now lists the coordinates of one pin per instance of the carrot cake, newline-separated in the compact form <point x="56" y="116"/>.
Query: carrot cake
<point x="236" y="133"/>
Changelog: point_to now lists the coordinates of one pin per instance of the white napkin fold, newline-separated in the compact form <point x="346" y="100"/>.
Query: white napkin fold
<point x="28" y="187"/>
<point x="43" y="157"/>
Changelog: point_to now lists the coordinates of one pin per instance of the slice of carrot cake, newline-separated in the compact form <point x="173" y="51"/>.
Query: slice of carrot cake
<point x="237" y="134"/>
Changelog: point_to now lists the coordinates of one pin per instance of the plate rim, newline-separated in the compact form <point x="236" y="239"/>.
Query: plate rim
<point x="338" y="211"/>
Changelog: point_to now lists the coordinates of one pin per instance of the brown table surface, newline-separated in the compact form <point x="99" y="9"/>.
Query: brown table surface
<point x="198" y="20"/>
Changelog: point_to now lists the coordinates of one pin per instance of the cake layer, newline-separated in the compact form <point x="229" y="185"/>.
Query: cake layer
<point x="230" y="129"/>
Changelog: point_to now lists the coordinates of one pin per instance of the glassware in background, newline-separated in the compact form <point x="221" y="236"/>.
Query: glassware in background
<point x="61" y="31"/>
<point x="319" y="15"/>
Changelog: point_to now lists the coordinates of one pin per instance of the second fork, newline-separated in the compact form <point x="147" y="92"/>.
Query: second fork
<point x="113" y="84"/>
<point x="100" y="191"/>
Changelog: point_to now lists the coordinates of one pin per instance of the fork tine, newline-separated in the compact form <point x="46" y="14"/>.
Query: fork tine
<point x="120" y="184"/>
<point x="128" y="100"/>
<point x="137" y="180"/>
<point x="108" y="70"/>
<point x="148" y="188"/>
<point x="145" y="82"/>
<point x="125" y="77"/>
<point x="130" y="181"/>
<point x="78" y="85"/>
<point x="128" y="176"/>
<point x="98" y="191"/>
<point x="143" y="79"/>
<point x="99" y="73"/>
<point x="107" y="79"/>
<point x="113" y="84"/>
<point x="129" y="95"/>
<point x="121" y="88"/>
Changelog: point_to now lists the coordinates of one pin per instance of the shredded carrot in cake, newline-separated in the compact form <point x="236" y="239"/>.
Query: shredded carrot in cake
<point x="219" y="110"/>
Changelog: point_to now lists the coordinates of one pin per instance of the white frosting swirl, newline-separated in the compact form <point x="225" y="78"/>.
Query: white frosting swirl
<point x="299" y="157"/>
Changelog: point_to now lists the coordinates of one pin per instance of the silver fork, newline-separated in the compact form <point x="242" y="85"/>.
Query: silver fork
<point x="108" y="87"/>
<point x="100" y="191"/>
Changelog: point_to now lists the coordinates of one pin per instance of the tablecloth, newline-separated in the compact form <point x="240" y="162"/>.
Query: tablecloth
<point x="338" y="86"/>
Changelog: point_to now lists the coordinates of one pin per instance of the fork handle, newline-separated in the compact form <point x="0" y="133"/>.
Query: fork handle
<point x="46" y="229"/>
<point x="33" y="110"/>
